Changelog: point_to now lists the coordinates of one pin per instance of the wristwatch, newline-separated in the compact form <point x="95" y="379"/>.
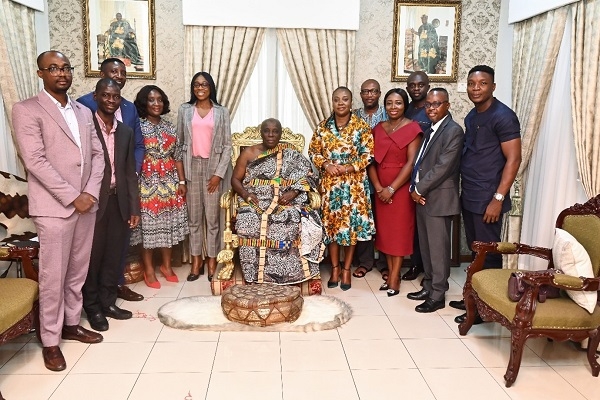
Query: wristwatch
<point x="498" y="196"/>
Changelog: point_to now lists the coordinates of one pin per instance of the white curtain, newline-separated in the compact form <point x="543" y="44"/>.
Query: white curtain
<point x="270" y="93"/>
<point x="18" y="80"/>
<point x="553" y="182"/>
<point x="318" y="61"/>
<point x="229" y="54"/>
<point x="585" y="86"/>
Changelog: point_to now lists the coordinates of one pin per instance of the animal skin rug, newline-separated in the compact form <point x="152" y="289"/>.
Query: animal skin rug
<point x="204" y="313"/>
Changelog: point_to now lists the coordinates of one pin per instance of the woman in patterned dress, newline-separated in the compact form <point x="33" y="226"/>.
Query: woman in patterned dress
<point x="162" y="185"/>
<point x="342" y="147"/>
<point x="280" y="237"/>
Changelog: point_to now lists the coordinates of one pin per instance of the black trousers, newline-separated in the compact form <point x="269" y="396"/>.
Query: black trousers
<point x="100" y="288"/>
<point x="476" y="229"/>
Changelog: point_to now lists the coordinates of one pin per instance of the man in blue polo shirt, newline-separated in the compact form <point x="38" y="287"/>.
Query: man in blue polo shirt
<point x="489" y="164"/>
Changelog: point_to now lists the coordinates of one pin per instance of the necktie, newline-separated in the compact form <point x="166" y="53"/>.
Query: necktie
<point x="419" y="160"/>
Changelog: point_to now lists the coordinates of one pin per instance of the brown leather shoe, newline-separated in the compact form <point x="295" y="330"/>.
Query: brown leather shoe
<point x="54" y="359"/>
<point x="123" y="292"/>
<point x="79" y="333"/>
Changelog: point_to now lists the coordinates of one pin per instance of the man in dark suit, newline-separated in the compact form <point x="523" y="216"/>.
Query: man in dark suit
<point x="63" y="156"/>
<point x="434" y="187"/>
<point x="126" y="113"/>
<point x="119" y="208"/>
<point x="417" y="86"/>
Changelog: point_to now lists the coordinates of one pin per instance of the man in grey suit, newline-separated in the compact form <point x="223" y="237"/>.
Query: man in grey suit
<point x="63" y="155"/>
<point x="434" y="187"/>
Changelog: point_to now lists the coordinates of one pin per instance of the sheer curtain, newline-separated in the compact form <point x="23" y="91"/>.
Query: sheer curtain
<point x="270" y="94"/>
<point x="553" y="182"/>
<point x="585" y="81"/>
<point x="18" y="80"/>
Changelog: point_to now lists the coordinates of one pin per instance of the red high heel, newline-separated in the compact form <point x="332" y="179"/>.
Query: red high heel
<point x="169" y="278"/>
<point x="153" y="285"/>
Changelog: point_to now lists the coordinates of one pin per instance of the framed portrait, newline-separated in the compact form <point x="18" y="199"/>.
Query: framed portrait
<point x="121" y="29"/>
<point x="426" y="38"/>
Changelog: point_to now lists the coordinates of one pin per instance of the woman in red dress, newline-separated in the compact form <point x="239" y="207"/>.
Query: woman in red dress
<point x="397" y="142"/>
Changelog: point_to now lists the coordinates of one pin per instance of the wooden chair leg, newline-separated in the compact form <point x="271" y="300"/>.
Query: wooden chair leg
<point x="517" y="339"/>
<point x="591" y="351"/>
<point x="471" y="310"/>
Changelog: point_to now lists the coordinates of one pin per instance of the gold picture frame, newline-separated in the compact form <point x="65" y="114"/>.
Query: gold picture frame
<point x="122" y="29"/>
<point x="426" y="38"/>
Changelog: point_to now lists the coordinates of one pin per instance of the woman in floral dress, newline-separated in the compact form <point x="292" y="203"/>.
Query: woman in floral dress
<point x="342" y="147"/>
<point x="162" y="185"/>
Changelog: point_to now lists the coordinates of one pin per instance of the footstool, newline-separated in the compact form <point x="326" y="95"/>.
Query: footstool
<point x="262" y="304"/>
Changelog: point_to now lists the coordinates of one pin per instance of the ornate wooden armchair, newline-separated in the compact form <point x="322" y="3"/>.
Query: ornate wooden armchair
<point x="486" y="292"/>
<point x="228" y="274"/>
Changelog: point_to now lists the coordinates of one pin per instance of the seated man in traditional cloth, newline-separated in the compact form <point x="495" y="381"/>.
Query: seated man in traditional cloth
<point x="280" y="236"/>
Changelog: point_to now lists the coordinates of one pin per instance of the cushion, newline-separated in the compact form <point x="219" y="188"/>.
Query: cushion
<point x="572" y="258"/>
<point x="491" y="286"/>
<point x="17" y="296"/>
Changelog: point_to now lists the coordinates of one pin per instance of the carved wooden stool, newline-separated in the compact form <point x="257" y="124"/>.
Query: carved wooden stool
<point x="262" y="304"/>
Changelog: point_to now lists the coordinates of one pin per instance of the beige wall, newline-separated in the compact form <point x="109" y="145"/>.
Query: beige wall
<point x="66" y="35"/>
<point x="478" y="37"/>
<point x="479" y="32"/>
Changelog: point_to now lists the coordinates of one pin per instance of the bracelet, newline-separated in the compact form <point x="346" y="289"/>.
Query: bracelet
<point x="391" y="189"/>
<point x="182" y="182"/>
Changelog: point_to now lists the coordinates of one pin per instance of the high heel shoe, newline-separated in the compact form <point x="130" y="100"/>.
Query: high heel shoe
<point x="331" y="284"/>
<point x="211" y="273"/>
<point x="192" y="277"/>
<point x="346" y="276"/>
<point x="153" y="285"/>
<point x="392" y="292"/>
<point x="384" y="286"/>
<point x="169" y="278"/>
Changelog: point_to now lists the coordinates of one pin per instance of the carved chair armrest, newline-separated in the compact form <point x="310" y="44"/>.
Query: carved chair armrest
<point x="483" y="248"/>
<point x="315" y="200"/>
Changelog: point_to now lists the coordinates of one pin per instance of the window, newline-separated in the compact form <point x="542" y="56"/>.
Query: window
<point x="270" y="94"/>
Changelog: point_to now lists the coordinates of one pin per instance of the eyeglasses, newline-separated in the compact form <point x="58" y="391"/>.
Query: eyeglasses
<point x="198" y="85"/>
<point x="55" y="71"/>
<point x="435" y="104"/>
<point x="369" y="91"/>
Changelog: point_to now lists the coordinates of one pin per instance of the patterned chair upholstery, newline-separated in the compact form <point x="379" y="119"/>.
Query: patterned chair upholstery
<point x="486" y="292"/>
<point x="229" y="272"/>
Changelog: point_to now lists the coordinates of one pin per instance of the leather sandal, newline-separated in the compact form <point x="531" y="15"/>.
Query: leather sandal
<point x="361" y="271"/>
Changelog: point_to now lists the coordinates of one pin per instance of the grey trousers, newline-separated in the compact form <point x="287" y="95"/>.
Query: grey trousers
<point x="204" y="211"/>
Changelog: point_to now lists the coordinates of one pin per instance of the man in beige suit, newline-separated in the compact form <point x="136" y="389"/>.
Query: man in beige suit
<point x="65" y="163"/>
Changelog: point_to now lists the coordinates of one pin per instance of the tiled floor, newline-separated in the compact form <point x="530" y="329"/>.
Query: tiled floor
<point x="385" y="350"/>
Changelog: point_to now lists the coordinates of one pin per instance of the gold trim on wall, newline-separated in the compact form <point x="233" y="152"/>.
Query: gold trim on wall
<point x="121" y="29"/>
<point x="426" y="38"/>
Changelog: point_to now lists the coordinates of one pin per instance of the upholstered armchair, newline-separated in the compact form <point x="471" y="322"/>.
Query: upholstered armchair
<point x="18" y="297"/>
<point x="229" y="274"/>
<point x="560" y="319"/>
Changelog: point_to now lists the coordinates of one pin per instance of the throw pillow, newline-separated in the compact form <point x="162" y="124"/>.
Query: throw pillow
<point x="572" y="258"/>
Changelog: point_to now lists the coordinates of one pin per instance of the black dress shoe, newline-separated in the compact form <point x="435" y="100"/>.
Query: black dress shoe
<point x="458" y="304"/>
<point x="123" y="292"/>
<point x="430" y="305"/>
<point x="420" y="295"/>
<point x="98" y="322"/>
<point x="412" y="273"/>
<point x="117" y="313"/>
<point x="463" y="317"/>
